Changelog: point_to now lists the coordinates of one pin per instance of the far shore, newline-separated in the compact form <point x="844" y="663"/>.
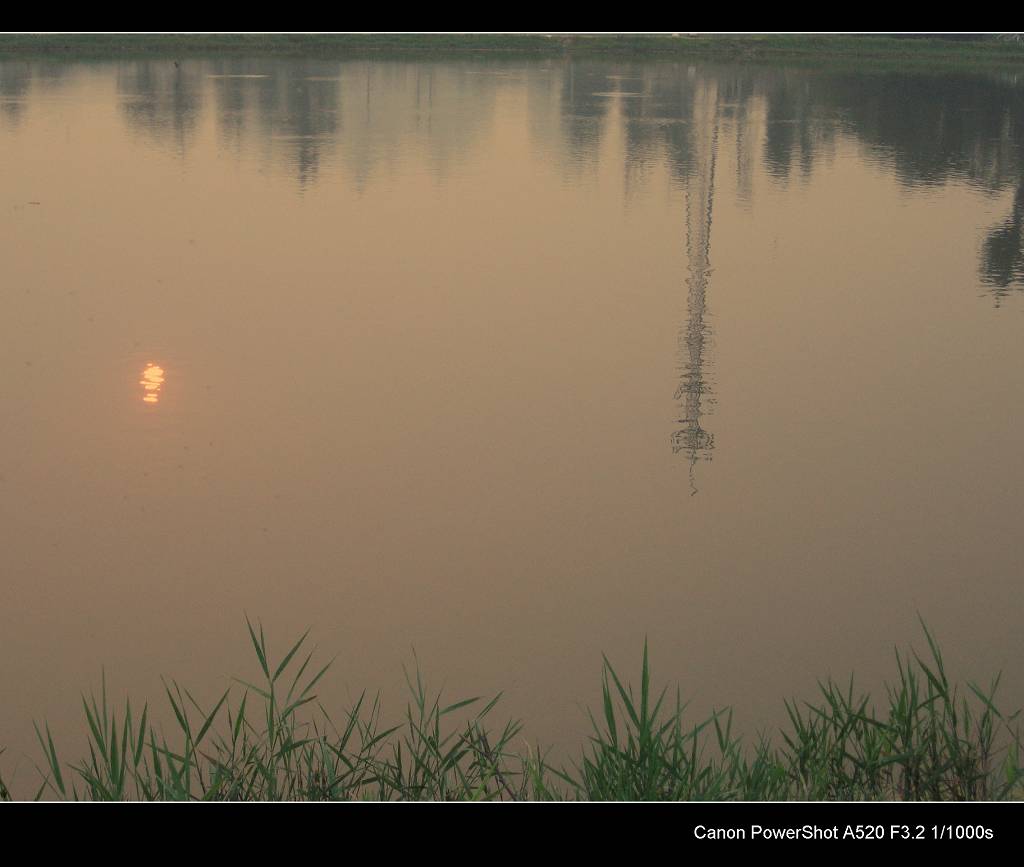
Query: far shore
<point x="985" y="50"/>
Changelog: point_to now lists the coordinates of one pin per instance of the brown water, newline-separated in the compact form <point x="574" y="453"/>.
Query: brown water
<point x="510" y="362"/>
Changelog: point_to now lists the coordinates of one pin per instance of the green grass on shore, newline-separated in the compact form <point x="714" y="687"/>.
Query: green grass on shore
<point x="982" y="50"/>
<point x="928" y="740"/>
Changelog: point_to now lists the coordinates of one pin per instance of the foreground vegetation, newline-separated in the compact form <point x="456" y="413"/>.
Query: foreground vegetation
<point x="979" y="49"/>
<point x="274" y="741"/>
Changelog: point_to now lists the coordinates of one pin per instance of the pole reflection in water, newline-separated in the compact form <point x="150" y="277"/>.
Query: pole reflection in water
<point x="152" y="381"/>
<point x="694" y="390"/>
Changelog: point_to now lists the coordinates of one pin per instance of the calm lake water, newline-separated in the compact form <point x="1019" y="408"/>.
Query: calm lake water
<point x="512" y="363"/>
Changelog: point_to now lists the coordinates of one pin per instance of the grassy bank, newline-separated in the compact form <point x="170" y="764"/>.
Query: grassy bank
<point x="982" y="50"/>
<point x="927" y="740"/>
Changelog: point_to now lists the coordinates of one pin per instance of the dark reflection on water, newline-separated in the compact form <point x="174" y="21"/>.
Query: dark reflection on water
<point x="1002" y="256"/>
<point x="161" y="99"/>
<point x="584" y="112"/>
<point x="928" y="129"/>
<point x="302" y="110"/>
<point x="17" y="77"/>
<point x="931" y="129"/>
<point x="14" y="82"/>
<point x="295" y="105"/>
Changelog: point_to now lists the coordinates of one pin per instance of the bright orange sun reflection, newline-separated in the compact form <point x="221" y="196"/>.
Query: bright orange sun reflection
<point x="151" y="382"/>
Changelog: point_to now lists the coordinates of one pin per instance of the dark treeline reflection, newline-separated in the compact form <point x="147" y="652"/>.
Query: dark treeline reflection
<point x="293" y="106"/>
<point x="925" y="128"/>
<point x="161" y="99"/>
<point x="14" y="82"/>
<point x="300" y="113"/>
<point x="16" y="79"/>
<point x="1002" y="257"/>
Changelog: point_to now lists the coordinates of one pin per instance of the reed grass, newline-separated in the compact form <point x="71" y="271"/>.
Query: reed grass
<point x="930" y="739"/>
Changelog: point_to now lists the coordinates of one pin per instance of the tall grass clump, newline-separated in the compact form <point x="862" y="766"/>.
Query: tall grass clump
<point x="278" y="742"/>
<point x="273" y="740"/>
<point x="934" y="741"/>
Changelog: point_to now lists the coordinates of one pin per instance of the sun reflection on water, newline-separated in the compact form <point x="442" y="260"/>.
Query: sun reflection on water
<point x="152" y="381"/>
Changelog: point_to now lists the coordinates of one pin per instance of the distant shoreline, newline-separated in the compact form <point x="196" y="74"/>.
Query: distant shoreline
<point x="971" y="50"/>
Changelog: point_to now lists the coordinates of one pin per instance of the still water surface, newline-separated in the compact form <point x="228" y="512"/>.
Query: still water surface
<point x="511" y="363"/>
